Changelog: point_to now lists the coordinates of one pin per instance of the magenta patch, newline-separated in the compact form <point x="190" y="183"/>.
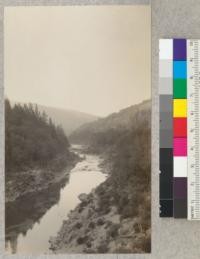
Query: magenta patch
<point x="180" y="147"/>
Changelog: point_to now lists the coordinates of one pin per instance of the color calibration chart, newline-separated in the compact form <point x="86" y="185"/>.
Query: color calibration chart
<point x="179" y="97"/>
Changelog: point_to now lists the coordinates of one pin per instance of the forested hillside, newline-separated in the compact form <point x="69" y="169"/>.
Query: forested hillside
<point x="69" y="119"/>
<point x="31" y="139"/>
<point x="128" y="153"/>
<point x="111" y="125"/>
<point x="36" y="151"/>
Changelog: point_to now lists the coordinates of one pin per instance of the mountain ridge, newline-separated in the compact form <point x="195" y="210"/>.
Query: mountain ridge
<point x="124" y="119"/>
<point x="67" y="118"/>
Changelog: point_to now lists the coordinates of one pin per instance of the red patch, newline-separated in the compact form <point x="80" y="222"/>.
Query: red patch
<point x="180" y="127"/>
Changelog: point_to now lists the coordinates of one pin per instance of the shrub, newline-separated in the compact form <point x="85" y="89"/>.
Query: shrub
<point x="82" y="240"/>
<point x="102" y="248"/>
<point x="113" y="230"/>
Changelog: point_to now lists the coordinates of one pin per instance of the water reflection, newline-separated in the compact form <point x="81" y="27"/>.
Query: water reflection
<point x="22" y="214"/>
<point x="34" y="218"/>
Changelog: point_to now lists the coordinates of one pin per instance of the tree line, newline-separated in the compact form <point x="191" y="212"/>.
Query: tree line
<point x="31" y="138"/>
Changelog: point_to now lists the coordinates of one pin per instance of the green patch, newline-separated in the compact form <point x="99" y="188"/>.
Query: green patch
<point x="180" y="88"/>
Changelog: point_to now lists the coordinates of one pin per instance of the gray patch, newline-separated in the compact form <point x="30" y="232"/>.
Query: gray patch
<point x="166" y="121"/>
<point x="166" y="139"/>
<point x="165" y="86"/>
<point x="166" y="103"/>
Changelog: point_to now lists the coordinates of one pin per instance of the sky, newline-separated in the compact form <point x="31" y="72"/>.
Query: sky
<point x="93" y="59"/>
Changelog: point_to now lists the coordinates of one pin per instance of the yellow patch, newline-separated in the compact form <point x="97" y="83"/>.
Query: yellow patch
<point x="180" y="108"/>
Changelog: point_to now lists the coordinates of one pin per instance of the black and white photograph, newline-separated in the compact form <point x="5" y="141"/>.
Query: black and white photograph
<point x="77" y="88"/>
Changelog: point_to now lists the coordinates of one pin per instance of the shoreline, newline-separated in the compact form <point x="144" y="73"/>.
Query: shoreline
<point x="94" y="227"/>
<point x="36" y="205"/>
<point x="45" y="181"/>
<point x="36" y="179"/>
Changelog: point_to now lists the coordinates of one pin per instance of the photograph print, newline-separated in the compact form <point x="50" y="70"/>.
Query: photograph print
<point x="77" y="129"/>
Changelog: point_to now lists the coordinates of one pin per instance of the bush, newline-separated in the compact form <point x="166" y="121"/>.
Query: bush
<point x="78" y="225"/>
<point x="82" y="240"/>
<point x="91" y="225"/>
<point x="102" y="248"/>
<point x="113" y="230"/>
<point x="100" y="221"/>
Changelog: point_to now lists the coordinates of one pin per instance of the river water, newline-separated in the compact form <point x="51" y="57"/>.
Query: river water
<point x="34" y="219"/>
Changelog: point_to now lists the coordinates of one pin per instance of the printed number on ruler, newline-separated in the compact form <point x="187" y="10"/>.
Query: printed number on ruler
<point x="193" y="88"/>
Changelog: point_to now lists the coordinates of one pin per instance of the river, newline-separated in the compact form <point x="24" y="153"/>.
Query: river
<point x="35" y="218"/>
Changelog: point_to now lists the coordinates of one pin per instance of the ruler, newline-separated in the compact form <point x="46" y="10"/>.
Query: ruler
<point x="193" y="130"/>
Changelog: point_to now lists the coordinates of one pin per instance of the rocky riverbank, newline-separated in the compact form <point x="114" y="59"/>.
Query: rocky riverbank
<point x="93" y="228"/>
<point x="34" y="180"/>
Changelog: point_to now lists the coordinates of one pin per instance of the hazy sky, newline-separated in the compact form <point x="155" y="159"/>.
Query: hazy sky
<point x="94" y="59"/>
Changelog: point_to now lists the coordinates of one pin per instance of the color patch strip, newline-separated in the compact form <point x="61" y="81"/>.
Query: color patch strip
<point x="180" y="128"/>
<point x="166" y="126"/>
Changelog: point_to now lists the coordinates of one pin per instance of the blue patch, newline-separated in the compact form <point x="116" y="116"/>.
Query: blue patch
<point x="180" y="69"/>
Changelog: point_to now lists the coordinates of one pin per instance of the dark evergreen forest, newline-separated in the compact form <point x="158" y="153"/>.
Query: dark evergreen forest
<point x="32" y="139"/>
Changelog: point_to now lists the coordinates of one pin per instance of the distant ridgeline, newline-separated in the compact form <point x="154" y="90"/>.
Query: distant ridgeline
<point x="31" y="139"/>
<point x="105" y="131"/>
<point x="124" y="140"/>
